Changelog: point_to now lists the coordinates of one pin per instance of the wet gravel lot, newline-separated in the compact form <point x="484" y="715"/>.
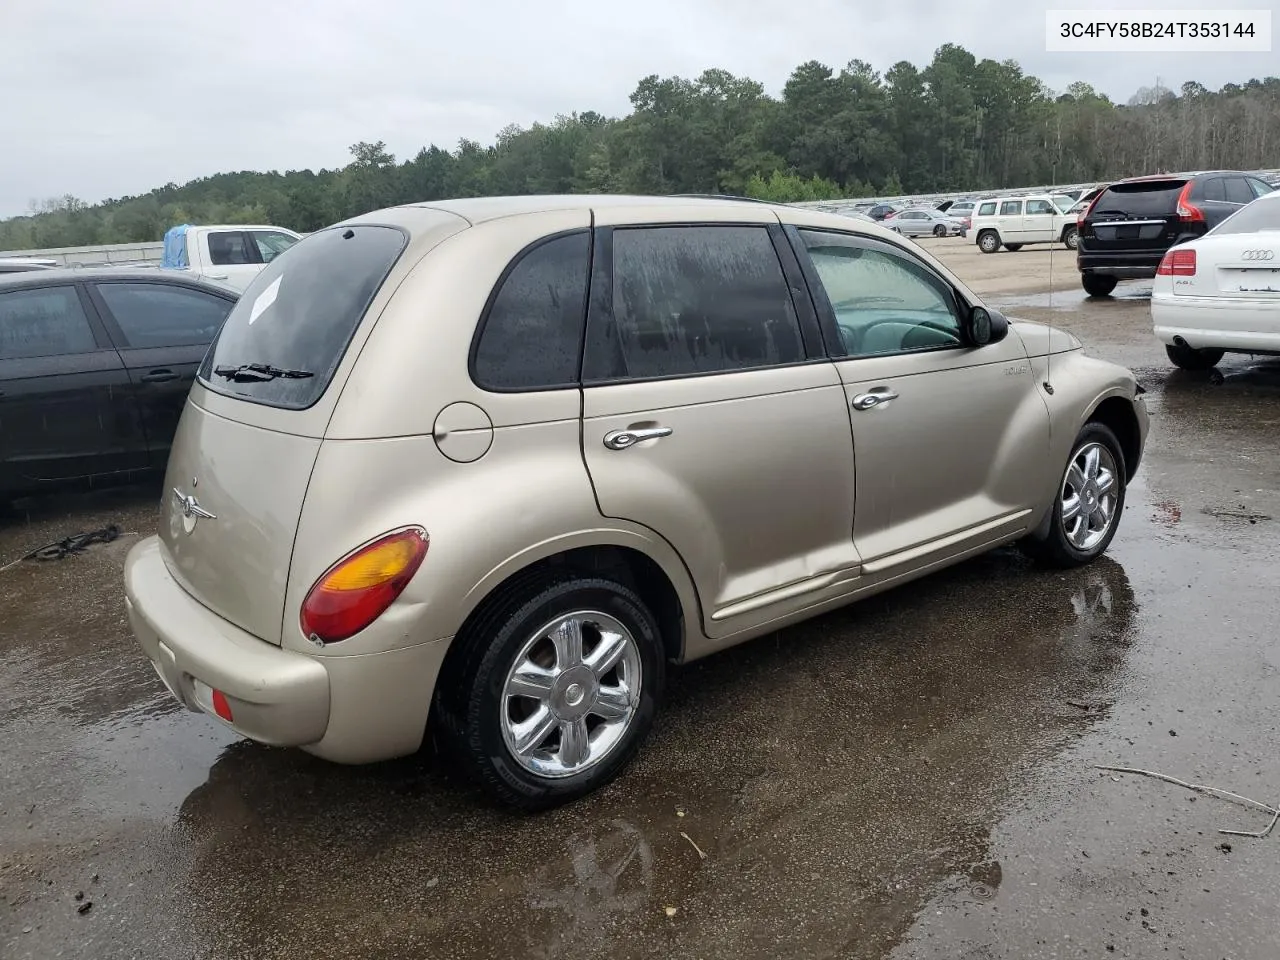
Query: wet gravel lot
<point x="912" y="777"/>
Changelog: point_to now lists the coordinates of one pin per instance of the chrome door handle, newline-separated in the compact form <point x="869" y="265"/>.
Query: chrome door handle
<point x="867" y="401"/>
<point x="622" y="439"/>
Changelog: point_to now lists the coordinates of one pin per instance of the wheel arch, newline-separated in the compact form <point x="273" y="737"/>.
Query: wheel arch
<point x="658" y="576"/>
<point x="1115" y="411"/>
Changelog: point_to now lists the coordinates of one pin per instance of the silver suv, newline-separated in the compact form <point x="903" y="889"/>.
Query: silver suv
<point x="491" y="465"/>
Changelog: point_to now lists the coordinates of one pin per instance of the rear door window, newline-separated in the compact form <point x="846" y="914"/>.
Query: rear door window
<point x="698" y="300"/>
<point x="1238" y="190"/>
<point x="1213" y="190"/>
<point x="231" y="249"/>
<point x="1148" y="198"/>
<point x="164" y="315"/>
<point x="531" y="336"/>
<point x="1011" y="208"/>
<point x="290" y="329"/>
<point x="45" y="322"/>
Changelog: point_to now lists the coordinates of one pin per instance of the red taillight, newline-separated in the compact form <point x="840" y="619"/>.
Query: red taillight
<point x="1188" y="211"/>
<point x="220" y="705"/>
<point x="356" y="590"/>
<point x="1178" y="263"/>
<point x="1088" y="210"/>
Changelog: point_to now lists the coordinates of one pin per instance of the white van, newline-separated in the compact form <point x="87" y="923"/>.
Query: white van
<point x="1013" y="222"/>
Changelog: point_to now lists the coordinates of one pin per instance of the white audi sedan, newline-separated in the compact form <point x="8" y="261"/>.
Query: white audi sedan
<point x="1221" y="293"/>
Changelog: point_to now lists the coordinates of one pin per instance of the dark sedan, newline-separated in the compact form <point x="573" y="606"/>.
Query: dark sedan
<point x="95" y="366"/>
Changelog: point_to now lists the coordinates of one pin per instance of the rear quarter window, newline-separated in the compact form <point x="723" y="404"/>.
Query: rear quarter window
<point x="1152" y="198"/>
<point x="987" y="209"/>
<point x="299" y="315"/>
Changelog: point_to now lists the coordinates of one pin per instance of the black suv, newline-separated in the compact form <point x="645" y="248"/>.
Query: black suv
<point x="1129" y="226"/>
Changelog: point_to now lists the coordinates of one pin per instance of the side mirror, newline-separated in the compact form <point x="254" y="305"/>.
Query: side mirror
<point x="986" y="326"/>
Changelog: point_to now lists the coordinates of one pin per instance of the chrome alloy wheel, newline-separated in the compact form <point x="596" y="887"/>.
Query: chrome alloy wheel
<point x="571" y="694"/>
<point x="1089" y="496"/>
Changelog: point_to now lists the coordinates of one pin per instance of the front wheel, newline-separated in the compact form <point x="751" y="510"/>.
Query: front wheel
<point x="1189" y="358"/>
<point x="555" y="690"/>
<point x="1071" y="239"/>
<point x="988" y="241"/>
<point x="1090" y="499"/>
<point x="939" y="231"/>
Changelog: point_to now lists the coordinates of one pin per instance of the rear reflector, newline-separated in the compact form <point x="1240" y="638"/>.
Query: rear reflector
<point x="220" y="705"/>
<point x="1178" y="263"/>
<point x="356" y="590"/>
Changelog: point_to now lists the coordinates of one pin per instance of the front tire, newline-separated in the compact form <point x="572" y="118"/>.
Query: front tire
<point x="939" y="231"/>
<point x="1088" y="504"/>
<point x="1189" y="358"/>
<point x="556" y="688"/>
<point x="1097" y="285"/>
<point x="988" y="241"/>
<point x="1071" y="238"/>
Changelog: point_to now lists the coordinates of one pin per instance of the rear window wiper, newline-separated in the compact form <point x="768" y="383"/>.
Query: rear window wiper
<point x="259" y="372"/>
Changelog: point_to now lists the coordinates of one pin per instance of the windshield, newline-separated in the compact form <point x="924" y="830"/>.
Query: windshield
<point x="1251" y="218"/>
<point x="284" y="339"/>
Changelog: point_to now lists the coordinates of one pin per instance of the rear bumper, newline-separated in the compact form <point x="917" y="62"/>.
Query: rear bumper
<point x="354" y="709"/>
<point x="1220" y="323"/>
<point x="1123" y="266"/>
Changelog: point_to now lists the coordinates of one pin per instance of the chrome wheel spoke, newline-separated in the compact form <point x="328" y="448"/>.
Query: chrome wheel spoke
<point x="1075" y="478"/>
<point x="530" y="733"/>
<point x="1071" y="508"/>
<point x="612" y="703"/>
<point x="1106" y="482"/>
<point x="567" y="639"/>
<point x="530" y="680"/>
<point x="574" y="742"/>
<point x="1091" y="462"/>
<point x="1105" y="507"/>
<point x="607" y="652"/>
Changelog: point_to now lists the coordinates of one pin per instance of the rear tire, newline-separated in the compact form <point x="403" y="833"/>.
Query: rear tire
<point x="1097" y="285"/>
<point x="1189" y="358"/>
<point x="1082" y="538"/>
<point x="481" y="718"/>
<point x="1013" y="247"/>
<point x="988" y="241"/>
<point x="939" y="231"/>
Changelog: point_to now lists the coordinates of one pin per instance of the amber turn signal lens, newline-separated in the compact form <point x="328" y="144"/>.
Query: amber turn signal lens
<point x="358" y="589"/>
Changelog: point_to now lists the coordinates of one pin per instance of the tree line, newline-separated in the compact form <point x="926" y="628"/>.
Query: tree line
<point x="956" y="124"/>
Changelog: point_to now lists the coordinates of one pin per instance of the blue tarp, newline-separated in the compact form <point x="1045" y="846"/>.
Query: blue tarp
<point x="175" y="247"/>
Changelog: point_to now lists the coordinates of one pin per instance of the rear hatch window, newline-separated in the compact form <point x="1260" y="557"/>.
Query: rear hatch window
<point x="1138" y="200"/>
<point x="287" y="335"/>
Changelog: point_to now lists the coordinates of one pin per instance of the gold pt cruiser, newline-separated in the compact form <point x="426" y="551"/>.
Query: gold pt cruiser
<point x="487" y="466"/>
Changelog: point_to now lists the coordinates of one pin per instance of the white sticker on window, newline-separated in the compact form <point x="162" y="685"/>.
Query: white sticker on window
<point x="265" y="299"/>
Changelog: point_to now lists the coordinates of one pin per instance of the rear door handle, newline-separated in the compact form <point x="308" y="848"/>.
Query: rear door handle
<point x="871" y="400"/>
<point x="159" y="376"/>
<point x="622" y="439"/>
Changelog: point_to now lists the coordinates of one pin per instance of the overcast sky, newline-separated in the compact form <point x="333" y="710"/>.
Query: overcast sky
<point x="106" y="99"/>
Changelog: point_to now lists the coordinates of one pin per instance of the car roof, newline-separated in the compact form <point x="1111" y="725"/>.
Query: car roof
<point x="40" y="278"/>
<point x="476" y="210"/>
